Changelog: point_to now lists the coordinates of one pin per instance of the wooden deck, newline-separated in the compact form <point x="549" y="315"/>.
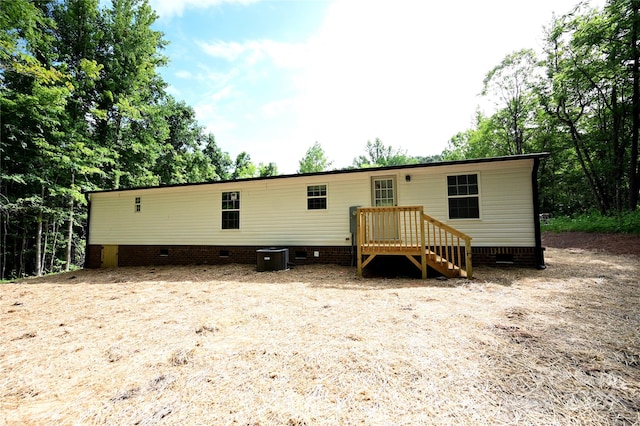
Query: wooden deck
<point x="407" y="231"/>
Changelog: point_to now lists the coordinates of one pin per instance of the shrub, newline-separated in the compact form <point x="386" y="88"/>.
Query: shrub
<point x="626" y="223"/>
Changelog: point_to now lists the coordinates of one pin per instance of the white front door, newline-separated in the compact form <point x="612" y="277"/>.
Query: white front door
<point x="383" y="194"/>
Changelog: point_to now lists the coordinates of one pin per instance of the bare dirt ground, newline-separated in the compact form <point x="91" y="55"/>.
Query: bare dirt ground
<point x="608" y="243"/>
<point x="316" y="345"/>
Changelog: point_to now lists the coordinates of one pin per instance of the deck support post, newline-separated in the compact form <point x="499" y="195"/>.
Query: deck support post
<point x="423" y="245"/>
<point x="359" y="241"/>
<point x="467" y="262"/>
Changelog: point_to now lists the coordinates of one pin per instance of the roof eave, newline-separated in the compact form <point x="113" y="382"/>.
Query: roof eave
<point x="346" y="171"/>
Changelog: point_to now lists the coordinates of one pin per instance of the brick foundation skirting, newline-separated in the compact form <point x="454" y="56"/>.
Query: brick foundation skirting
<point x="140" y="255"/>
<point x="518" y="256"/>
<point x="93" y="257"/>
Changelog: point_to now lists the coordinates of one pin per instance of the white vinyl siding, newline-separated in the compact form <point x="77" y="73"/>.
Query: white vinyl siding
<point x="183" y="217"/>
<point x="507" y="209"/>
<point x="506" y="200"/>
<point x="274" y="211"/>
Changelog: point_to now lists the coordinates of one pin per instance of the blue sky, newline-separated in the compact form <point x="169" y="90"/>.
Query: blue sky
<point x="273" y="77"/>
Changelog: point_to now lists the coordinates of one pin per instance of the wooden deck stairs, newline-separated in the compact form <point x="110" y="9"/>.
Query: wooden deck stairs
<point x="408" y="231"/>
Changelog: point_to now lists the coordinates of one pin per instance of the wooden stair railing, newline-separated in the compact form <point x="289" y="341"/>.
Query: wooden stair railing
<point x="444" y="244"/>
<point x="408" y="231"/>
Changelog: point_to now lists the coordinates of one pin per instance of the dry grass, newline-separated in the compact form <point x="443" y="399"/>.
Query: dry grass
<point x="315" y="345"/>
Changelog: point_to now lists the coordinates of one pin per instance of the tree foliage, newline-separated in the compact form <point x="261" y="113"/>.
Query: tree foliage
<point x="315" y="160"/>
<point x="380" y="155"/>
<point x="592" y="62"/>
<point x="580" y="102"/>
<point x="511" y="85"/>
<point x="84" y="108"/>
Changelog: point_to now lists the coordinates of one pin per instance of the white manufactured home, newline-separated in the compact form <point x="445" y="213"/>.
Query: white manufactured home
<point x="442" y="214"/>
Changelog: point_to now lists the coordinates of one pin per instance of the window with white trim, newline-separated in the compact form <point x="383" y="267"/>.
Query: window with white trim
<point x="464" y="200"/>
<point x="316" y="197"/>
<point x="138" y="205"/>
<point x="384" y="193"/>
<point x="231" y="210"/>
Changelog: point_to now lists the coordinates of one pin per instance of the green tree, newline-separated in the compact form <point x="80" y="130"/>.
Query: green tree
<point x="34" y="90"/>
<point x="593" y="95"/>
<point x="315" y="160"/>
<point x="243" y="167"/>
<point x="265" y="170"/>
<point x="220" y="160"/>
<point x="428" y="159"/>
<point x="380" y="155"/>
<point x="130" y="91"/>
<point x="478" y="142"/>
<point x="181" y="158"/>
<point x="82" y="107"/>
<point x="510" y="85"/>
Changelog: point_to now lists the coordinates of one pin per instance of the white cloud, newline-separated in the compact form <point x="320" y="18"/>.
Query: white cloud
<point x="210" y="76"/>
<point x="225" y="93"/>
<point x="278" y="107"/>
<point x="184" y="74"/>
<point x="212" y="120"/>
<point x="170" y="8"/>
<point x="222" y="49"/>
<point x="210" y="109"/>
<point x="287" y="55"/>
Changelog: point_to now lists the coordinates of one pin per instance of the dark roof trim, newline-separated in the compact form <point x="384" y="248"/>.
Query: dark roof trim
<point x="338" y="172"/>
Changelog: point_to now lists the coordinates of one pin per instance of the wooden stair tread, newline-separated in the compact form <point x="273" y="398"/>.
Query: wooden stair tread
<point x="443" y="266"/>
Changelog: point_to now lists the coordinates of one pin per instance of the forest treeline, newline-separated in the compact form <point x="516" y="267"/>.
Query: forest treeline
<point x="83" y="107"/>
<point x="578" y="100"/>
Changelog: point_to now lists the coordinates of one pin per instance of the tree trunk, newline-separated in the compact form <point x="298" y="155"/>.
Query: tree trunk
<point x="43" y="262"/>
<point x="3" y="260"/>
<point x="584" y="160"/>
<point x="54" y="244"/>
<point x="39" y="236"/>
<point x="39" y="246"/>
<point x="69" y="237"/>
<point x="588" y="170"/>
<point x="70" y="228"/>
<point x="617" y="177"/>
<point x="21" y="268"/>
<point x="634" y="166"/>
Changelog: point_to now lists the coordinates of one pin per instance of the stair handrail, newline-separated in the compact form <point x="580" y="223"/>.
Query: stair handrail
<point x="454" y="232"/>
